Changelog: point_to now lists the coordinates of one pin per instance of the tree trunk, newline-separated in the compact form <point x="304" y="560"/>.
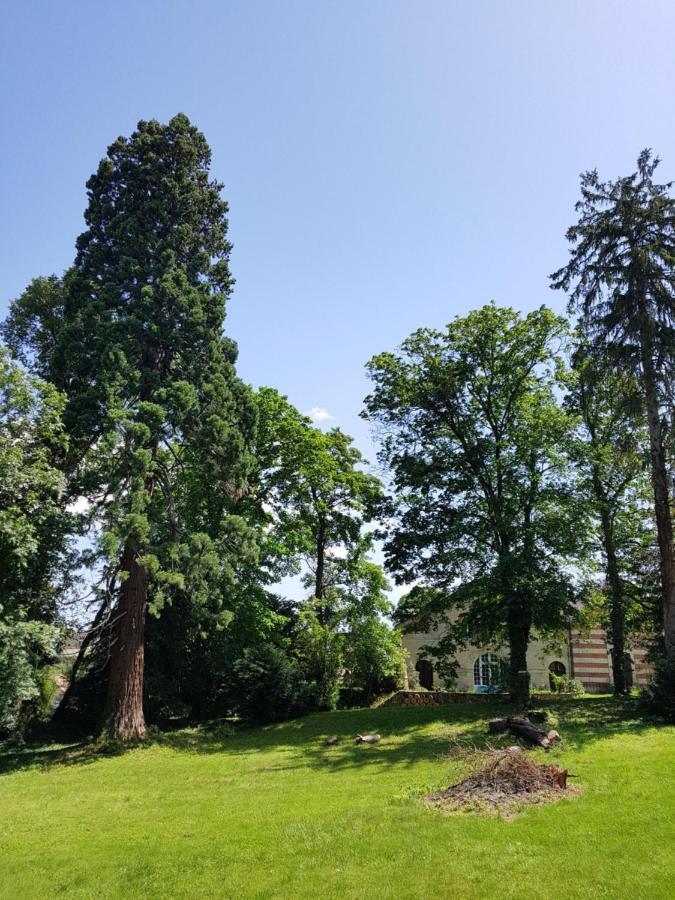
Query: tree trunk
<point x="519" y="638"/>
<point x="617" y="613"/>
<point x="124" y="719"/>
<point x="319" y="590"/>
<point x="664" y="525"/>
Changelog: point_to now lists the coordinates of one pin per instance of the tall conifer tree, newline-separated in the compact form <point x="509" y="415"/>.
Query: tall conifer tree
<point x="621" y="278"/>
<point x="158" y="422"/>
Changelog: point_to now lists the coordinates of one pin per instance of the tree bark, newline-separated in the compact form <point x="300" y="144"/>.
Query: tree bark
<point x="320" y="561"/>
<point x="519" y="638"/>
<point x="617" y="612"/>
<point x="124" y="719"/>
<point x="664" y="525"/>
<point x="319" y="590"/>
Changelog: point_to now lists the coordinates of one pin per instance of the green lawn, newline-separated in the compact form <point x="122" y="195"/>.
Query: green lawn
<point x="272" y="813"/>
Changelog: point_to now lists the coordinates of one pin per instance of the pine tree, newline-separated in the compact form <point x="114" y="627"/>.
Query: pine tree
<point x="622" y="281"/>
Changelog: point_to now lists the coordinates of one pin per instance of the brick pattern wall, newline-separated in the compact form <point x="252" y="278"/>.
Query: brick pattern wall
<point x="593" y="662"/>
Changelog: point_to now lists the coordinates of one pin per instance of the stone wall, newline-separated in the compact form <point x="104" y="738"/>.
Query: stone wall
<point x="439" y="698"/>
<point x="436" y="698"/>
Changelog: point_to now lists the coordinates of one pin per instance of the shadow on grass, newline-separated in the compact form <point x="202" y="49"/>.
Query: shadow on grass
<point x="44" y="756"/>
<point x="409" y="735"/>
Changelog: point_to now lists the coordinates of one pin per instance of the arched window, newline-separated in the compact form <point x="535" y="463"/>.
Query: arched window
<point x="486" y="670"/>
<point x="555" y="668"/>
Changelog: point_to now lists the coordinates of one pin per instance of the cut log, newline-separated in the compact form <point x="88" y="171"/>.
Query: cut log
<point x="497" y="726"/>
<point x="331" y="741"/>
<point x="367" y="738"/>
<point x="522" y="727"/>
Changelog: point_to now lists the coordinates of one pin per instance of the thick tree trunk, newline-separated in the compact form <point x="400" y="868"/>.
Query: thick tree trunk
<point x="519" y="638"/>
<point x="617" y="613"/>
<point x="664" y="525"/>
<point x="124" y="719"/>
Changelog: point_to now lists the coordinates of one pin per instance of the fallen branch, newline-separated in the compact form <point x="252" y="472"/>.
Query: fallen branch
<point x="521" y="727"/>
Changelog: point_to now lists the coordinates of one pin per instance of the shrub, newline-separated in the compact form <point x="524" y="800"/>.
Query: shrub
<point x="270" y="686"/>
<point x="561" y="684"/>
<point x="659" y="696"/>
<point x="374" y="660"/>
<point x="25" y="648"/>
<point x="320" y="652"/>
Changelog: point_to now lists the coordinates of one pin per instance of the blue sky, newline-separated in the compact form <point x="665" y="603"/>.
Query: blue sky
<point x="388" y="164"/>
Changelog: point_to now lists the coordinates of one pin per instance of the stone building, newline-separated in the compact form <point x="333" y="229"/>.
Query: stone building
<point x="585" y="656"/>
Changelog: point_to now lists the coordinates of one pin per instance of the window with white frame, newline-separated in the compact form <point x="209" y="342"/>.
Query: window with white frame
<point x="486" y="670"/>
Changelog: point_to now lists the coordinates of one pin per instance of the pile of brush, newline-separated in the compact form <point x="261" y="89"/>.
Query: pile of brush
<point x="502" y="780"/>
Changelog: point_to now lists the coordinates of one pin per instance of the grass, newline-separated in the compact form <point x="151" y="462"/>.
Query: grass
<point x="272" y="813"/>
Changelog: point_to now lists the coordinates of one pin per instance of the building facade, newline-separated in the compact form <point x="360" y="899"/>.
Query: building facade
<point x="585" y="656"/>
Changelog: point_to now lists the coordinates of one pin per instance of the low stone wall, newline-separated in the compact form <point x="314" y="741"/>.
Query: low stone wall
<point x="437" y="698"/>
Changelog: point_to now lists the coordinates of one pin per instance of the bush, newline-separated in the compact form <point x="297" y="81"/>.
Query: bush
<point x="320" y="651"/>
<point x="374" y="660"/>
<point x="659" y="696"/>
<point x="25" y="648"/>
<point x="561" y="684"/>
<point x="270" y="686"/>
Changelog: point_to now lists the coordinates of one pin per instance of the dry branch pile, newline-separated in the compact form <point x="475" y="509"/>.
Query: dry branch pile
<point x="502" y="781"/>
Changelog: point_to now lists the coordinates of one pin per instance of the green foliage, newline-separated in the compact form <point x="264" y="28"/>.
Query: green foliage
<point x="159" y="425"/>
<point x="659" y="696"/>
<point x="620" y="273"/>
<point x="153" y="381"/>
<point x="320" y="650"/>
<point x="190" y="660"/>
<point x="374" y="659"/>
<point x="612" y="458"/>
<point x="621" y="280"/>
<point x="484" y="514"/>
<point x="270" y="685"/>
<point x="562" y="684"/>
<point x="25" y="649"/>
<point x="31" y="330"/>
<point x="34" y="526"/>
<point x="35" y="559"/>
<point x="313" y="502"/>
<point x="315" y="495"/>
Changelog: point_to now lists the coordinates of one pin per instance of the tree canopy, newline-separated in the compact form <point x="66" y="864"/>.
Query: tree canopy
<point x="483" y="517"/>
<point x="621" y="280"/>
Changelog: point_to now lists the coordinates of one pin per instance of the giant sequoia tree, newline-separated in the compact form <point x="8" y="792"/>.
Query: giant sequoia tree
<point x="483" y="517"/>
<point x="157" y="420"/>
<point x="621" y="278"/>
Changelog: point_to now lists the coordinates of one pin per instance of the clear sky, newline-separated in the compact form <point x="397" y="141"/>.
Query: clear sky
<point x="388" y="164"/>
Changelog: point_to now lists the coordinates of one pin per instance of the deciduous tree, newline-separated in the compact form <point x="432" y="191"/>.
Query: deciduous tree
<point x="483" y="513"/>
<point x="612" y="456"/>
